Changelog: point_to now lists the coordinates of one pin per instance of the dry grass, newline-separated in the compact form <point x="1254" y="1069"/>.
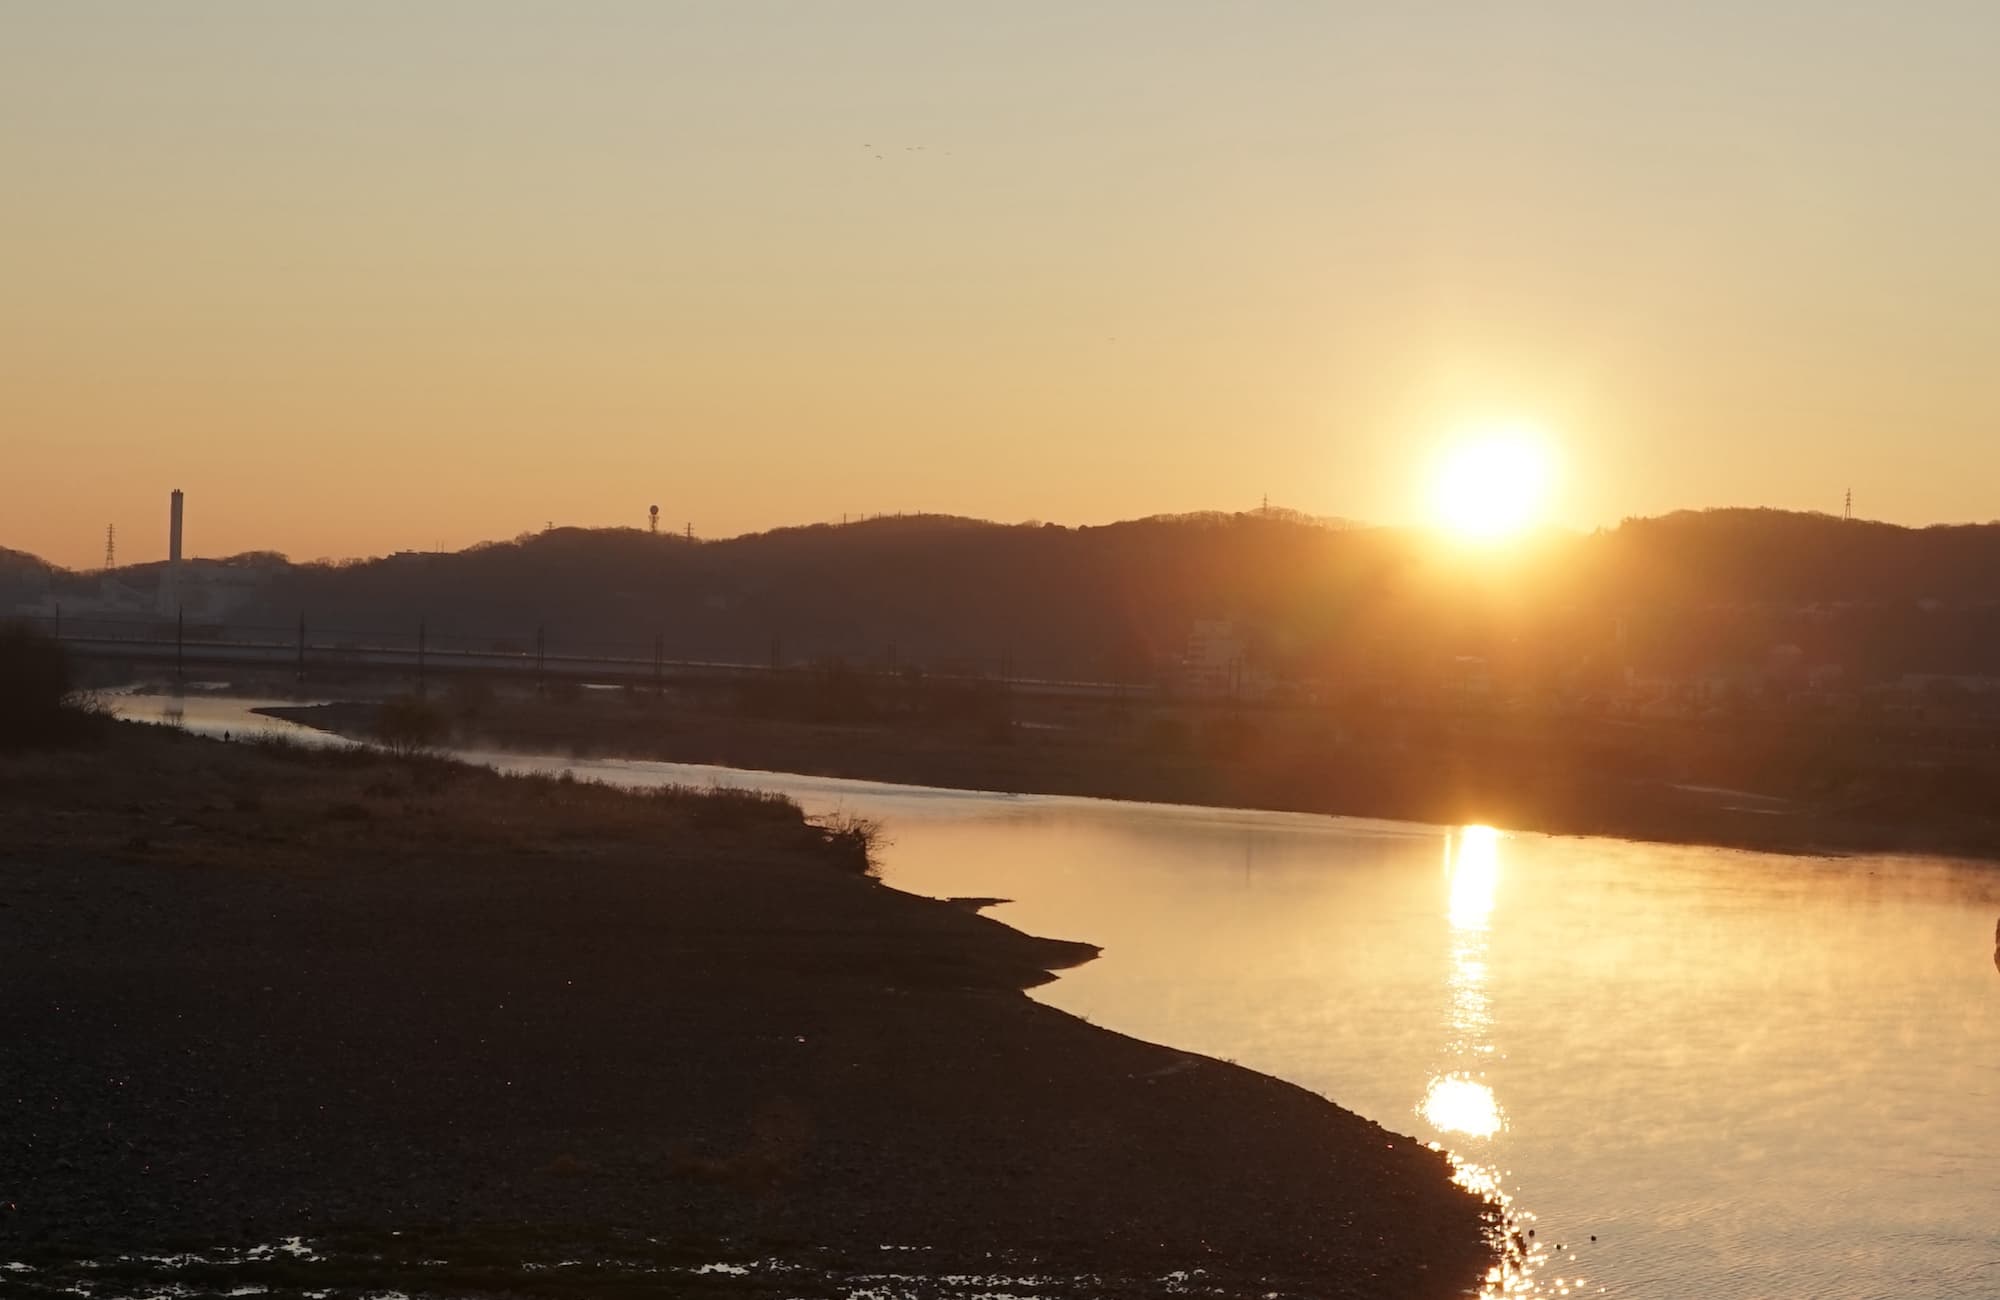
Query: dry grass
<point x="173" y="796"/>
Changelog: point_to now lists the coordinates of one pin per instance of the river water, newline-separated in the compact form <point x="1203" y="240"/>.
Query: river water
<point x="1692" y="1072"/>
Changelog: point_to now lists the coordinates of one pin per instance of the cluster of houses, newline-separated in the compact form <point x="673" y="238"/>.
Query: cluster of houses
<point x="1219" y="663"/>
<point x="201" y="591"/>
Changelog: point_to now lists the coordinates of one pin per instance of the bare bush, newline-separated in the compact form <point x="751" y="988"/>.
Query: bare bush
<point x="409" y="726"/>
<point x="853" y="840"/>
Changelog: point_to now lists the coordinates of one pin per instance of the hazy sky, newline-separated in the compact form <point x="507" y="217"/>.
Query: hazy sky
<point x="365" y="276"/>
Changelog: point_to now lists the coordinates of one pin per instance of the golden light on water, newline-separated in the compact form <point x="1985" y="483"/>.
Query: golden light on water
<point x="1493" y="482"/>
<point x="1456" y="1104"/>
<point x="1456" y="1100"/>
<point x="1472" y="864"/>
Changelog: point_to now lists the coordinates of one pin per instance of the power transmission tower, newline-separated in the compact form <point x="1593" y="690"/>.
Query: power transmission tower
<point x="1847" y="510"/>
<point x="110" y="547"/>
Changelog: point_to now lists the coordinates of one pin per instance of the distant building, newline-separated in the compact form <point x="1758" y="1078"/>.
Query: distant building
<point x="171" y="595"/>
<point x="213" y="589"/>
<point x="1969" y="683"/>
<point x="1213" y="658"/>
<point x="1216" y="664"/>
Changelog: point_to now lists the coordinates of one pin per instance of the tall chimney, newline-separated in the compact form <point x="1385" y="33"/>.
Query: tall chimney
<point x="170" y="585"/>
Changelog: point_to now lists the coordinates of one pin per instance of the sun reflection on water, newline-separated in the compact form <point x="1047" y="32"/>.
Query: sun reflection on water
<point x="1472" y="865"/>
<point x="1457" y="1099"/>
<point x="1458" y="1102"/>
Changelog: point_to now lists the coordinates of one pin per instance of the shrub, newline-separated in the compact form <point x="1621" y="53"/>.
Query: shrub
<point x="39" y="703"/>
<point x="409" y="726"/>
<point x="469" y="697"/>
<point x="853" y="840"/>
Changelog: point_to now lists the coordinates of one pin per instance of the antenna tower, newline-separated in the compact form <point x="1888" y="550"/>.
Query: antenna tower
<point x="110" y="547"/>
<point x="1847" y="509"/>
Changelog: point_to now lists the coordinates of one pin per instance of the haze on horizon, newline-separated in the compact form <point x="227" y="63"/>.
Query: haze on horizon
<point x="366" y="276"/>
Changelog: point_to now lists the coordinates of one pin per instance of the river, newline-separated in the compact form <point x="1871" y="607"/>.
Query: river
<point x="1692" y="1072"/>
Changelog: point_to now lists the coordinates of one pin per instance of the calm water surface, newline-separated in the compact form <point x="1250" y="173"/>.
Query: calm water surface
<point x="1743" y="1075"/>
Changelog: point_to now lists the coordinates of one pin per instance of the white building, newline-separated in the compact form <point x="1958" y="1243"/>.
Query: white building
<point x="1216" y="663"/>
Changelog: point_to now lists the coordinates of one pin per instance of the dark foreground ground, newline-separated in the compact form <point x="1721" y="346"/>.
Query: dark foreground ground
<point x="454" y="1029"/>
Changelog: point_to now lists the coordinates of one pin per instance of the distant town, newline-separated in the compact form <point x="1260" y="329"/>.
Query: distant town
<point x="1687" y="617"/>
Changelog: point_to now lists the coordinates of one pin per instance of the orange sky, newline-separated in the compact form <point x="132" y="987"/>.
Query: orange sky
<point x="367" y="276"/>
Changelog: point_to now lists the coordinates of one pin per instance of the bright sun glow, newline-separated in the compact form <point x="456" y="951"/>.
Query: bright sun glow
<point x="1493" y="482"/>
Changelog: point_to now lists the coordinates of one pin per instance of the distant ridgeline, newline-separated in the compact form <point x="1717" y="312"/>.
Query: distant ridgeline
<point x="1302" y="601"/>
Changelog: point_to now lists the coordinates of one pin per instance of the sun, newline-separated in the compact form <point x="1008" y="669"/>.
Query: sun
<point x="1492" y="482"/>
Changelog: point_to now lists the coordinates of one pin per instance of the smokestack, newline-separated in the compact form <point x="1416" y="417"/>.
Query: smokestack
<point x="170" y="584"/>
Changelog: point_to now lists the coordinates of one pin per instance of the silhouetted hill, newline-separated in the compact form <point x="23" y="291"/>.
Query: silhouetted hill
<point x="927" y="589"/>
<point x="22" y="577"/>
<point x="1692" y="592"/>
<point x="1748" y="556"/>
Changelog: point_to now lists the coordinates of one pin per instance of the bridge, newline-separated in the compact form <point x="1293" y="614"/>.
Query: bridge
<point x="173" y="645"/>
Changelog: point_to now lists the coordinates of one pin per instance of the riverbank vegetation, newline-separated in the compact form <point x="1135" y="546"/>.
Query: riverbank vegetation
<point x="1785" y="784"/>
<point x="40" y="700"/>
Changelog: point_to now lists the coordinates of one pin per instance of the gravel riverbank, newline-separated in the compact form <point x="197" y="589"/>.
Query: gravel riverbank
<point x="256" y="993"/>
